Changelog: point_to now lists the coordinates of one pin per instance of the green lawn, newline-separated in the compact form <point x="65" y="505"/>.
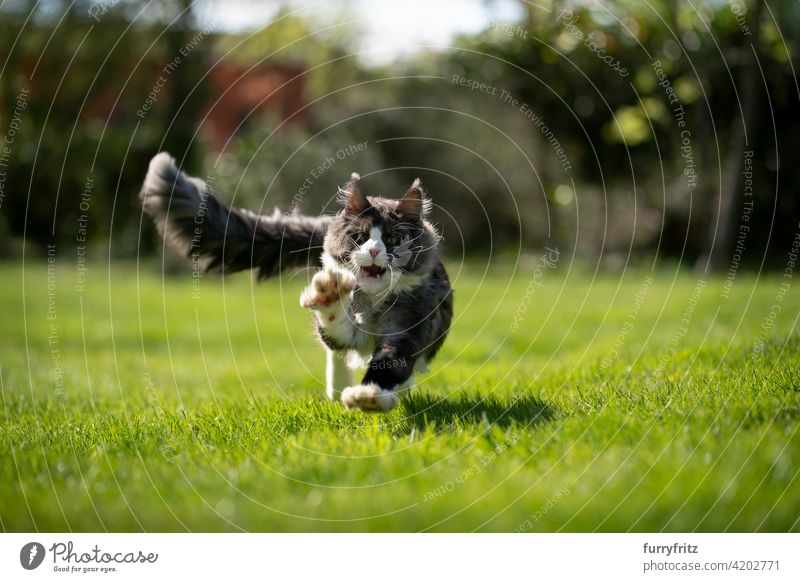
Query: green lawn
<point x="176" y="413"/>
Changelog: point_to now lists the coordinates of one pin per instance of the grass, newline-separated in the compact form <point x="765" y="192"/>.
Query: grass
<point x="599" y="413"/>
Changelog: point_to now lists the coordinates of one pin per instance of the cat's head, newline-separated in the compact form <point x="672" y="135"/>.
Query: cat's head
<point x="387" y="244"/>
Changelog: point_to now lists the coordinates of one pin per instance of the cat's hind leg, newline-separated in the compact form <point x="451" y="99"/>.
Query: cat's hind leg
<point x="338" y="374"/>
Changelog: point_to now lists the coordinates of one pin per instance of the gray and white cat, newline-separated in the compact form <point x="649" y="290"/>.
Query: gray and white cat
<point x="382" y="296"/>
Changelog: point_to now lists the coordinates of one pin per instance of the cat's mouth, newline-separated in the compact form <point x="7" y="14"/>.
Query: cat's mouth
<point x="373" y="271"/>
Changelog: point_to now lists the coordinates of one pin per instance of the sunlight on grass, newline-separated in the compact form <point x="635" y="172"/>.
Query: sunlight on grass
<point x="615" y="405"/>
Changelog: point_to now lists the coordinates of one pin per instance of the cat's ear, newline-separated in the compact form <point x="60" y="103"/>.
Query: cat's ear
<point x="351" y="196"/>
<point x="413" y="204"/>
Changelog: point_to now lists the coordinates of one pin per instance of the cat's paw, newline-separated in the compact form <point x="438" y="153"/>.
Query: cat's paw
<point x="369" y="398"/>
<point x="327" y="288"/>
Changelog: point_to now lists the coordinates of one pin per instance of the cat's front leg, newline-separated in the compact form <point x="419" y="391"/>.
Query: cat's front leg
<point x="330" y="296"/>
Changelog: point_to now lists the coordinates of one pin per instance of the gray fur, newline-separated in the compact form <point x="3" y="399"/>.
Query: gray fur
<point x="408" y="325"/>
<point x="403" y="327"/>
<point x="226" y="240"/>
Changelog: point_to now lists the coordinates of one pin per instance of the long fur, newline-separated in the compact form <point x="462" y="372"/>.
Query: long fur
<point x="223" y="239"/>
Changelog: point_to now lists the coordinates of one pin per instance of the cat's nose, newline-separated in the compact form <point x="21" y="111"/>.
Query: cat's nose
<point x="373" y="253"/>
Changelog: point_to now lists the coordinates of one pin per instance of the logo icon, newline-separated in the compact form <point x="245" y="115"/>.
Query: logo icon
<point x="31" y="555"/>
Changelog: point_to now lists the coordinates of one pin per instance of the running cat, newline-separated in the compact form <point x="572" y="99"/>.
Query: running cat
<point x="382" y="296"/>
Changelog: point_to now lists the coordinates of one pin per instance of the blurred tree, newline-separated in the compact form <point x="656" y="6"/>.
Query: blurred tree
<point x="620" y="130"/>
<point x="102" y="99"/>
<point x="496" y="175"/>
<point x="727" y="208"/>
<point x="186" y="94"/>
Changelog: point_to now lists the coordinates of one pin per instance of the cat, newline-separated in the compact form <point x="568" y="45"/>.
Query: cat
<point x="381" y="297"/>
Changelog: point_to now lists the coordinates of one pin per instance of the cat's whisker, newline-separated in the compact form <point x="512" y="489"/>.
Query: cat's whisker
<point x="306" y="250"/>
<point x="391" y="280"/>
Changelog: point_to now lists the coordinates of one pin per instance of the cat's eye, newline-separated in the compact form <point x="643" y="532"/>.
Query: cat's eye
<point x="391" y="239"/>
<point x="360" y="237"/>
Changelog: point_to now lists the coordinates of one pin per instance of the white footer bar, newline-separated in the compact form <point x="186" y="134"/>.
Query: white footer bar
<point x="401" y="557"/>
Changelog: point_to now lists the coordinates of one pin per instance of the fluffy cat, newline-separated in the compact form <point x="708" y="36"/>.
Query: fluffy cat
<point x="382" y="295"/>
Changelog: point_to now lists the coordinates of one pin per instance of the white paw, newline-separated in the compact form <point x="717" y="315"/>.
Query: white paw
<point x="369" y="398"/>
<point x="327" y="288"/>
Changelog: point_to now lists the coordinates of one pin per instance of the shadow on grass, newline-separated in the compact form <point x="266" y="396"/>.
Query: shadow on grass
<point x="421" y="410"/>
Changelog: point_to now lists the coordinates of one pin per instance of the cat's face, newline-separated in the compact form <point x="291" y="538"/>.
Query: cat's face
<point x="387" y="244"/>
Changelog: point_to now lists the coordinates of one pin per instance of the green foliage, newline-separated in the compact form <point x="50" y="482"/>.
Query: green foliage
<point x="497" y="177"/>
<point x="208" y="413"/>
<point x="81" y="131"/>
<point x="290" y="167"/>
<point x="620" y="129"/>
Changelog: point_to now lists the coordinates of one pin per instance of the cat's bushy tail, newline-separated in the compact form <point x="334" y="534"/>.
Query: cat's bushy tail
<point x="223" y="239"/>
